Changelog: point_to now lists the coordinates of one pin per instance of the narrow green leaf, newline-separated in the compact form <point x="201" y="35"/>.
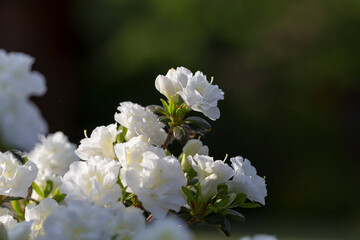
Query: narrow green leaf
<point x="48" y="188"/>
<point x="222" y="189"/>
<point x="58" y="196"/>
<point x="158" y="110"/>
<point x="18" y="209"/>
<point x="222" y="203"/>
<point x="198" y="122"/>
<point x="172" y="108"/>
<point x="189" y="194"/>
<point x="37" y="189"/>
<point x="226" y="227"/>
<point x="165" y="105"/>
<point x="249" y="205"/>
<point x="240" y="199"/>
<point x="215" y="219"/>
<point x="164" y="119"/>
<point x="235" y="215"/>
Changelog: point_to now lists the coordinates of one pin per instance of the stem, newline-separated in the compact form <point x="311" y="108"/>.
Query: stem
<point x="168" y="138"/>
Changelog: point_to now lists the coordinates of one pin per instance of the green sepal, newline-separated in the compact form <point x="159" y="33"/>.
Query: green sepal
<point x="37" y="189"/>
<point x="167" y="152"/>
<point x="48" y="188"/>
<point x="222" y="189"/>
<point x="58" y="196"/>
<point x="172" y="108"/>
<point x="221" y="203"/>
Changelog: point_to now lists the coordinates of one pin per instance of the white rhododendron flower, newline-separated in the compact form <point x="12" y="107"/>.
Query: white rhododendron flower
<point x="21" y="231"/>
<point x="15" y="179"/>
<point x="6" y="218"/>
<point x="54" y="154"/>
<point x="100" y="143"/>
<point x="82" y="221"/>
<point x="21" y="124"/>
<point x="16" y="77"/>
<point x="20" y="120"/>
<point x="247" y="181"/>
<point x="94" y="181"/>
<point x="210" y="173"/>
<point x="192" y="147"/>
<point x="166" y="229"/>
<point x="37" y="215"/>
<point x="202" y="96"/>
<point x="259" y="237"/>
<point x="158" y="184"/>
<point x="173" y="82"/>
<point x="138" y="121"/>
<point x="130" y="154"/>
<point x="127" y="221"/>
<point x="195" y="146"/>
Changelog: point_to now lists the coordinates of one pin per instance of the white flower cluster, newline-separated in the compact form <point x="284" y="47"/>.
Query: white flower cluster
<point x="53" y="156"/>
<point x="126" y="173"/>
<point x="20" y="119"/>
<point x="195" y="90"/>
<point x="15" y="178"/>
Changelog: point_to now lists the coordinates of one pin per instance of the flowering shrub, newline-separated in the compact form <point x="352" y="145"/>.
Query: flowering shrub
<point x="122" y="182"/>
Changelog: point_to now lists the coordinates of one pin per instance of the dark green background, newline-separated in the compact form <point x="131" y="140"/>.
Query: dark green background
<point x="290" y="72"/>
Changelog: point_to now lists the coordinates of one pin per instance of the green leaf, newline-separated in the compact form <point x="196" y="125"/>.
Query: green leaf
<point x="158" y="110"/>
<point x="18" y="209"/>
<point x="58" y="196"/>
<point x="120" y="138"/>
<point x="226" y="227"/>
<point x="222" y="189"/>
<point x="172" y="107"/>
<point x="199" y="123"/>
<point x="190" y="195"/>
<point x="180" y="134"/>
<point x="235" y="215"/>
<point x="240" y="199"/>
<point x="164" y="119"/>
<point x="222" y="203"/>
<point x="48" y="188"/>
<point x="37" y="189"/>
<point x="165" y="105"/>
<point x="215" y="219"/>
<point x="249" y="205"/>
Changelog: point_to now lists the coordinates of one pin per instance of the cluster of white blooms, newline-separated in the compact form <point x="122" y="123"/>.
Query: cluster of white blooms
<point x="83" y="221"/>
<point x="138" y="121"/>
<point x="210" y="173"/>
<point x="20" y="119"/>
<point x="53" y="156"/>
<point x="94" y="181"/>
<point x="100" y="143"/>
<point x="246" y="180"/>
<point x="15" y="178"/>
<point x="126" y="175"/>
<point x="195" y="90"/>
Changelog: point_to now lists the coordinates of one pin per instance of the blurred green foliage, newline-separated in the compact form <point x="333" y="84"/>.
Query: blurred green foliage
<point x="289" y="69"/>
